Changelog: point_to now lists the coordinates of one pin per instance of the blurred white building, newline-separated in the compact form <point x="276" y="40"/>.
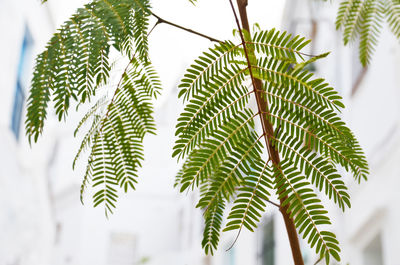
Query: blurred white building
<point x="25" y="218"/>
<point x="44" y="222"/>
<point x="42" y="218"/>
<point x="368" y="232"/>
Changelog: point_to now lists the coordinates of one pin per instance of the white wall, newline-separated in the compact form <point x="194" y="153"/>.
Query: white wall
<point x="25" y="217"/>
<point x="373" y="114"/>
<point x="44" y="220"/>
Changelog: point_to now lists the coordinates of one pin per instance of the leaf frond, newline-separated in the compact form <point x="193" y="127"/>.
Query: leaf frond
<point x="363" y="19"/>
<point x="76" y="59"/>
<point x="220" y="141"/>
<point x="306" y="210"/>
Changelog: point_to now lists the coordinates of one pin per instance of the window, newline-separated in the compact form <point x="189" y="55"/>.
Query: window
<point x="268" y="244"/>
<point x="21" y="83"/>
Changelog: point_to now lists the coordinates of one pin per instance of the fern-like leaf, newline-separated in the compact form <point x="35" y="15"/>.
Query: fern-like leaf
<point x="306" y="210"/>
<point x="392" y="11"/>
<point x="213" y="225"/>
<point x="76" y="59"/>
<point x="127" y="119"/>
<point x="250" y="202"/>
<point x="372" y="14"/>
<point x="219" y="140"/>
<point x="363" y="19"/>
<point x="73" y="66"/>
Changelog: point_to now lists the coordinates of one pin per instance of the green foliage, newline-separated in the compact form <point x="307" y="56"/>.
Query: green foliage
<point x="76" y="59"/>
<point x="306" y="210"/>
<point x="116" y="134"/>
<point x="364" y="19"/>
<point x="218" y="135"/>
<point x="223" y="149"/>
<point x="250" y="201"/>
<point x="72" y="68"/>
<point x="392" y="10"/>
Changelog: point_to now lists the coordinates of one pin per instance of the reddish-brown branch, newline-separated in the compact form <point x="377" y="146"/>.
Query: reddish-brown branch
<point x="268" y="130"/>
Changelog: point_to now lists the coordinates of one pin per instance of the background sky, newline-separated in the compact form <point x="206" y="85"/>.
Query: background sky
<point x="44" y="219"/>
<point x="172" y="49"/>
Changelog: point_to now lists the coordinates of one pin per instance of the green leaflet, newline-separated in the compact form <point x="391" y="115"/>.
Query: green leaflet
<point x="306" y="210"/>
<point x="217" y="133"/>
<point x="392" y="11"/>
<point x="76" y="61"/>
<point x="364" y="19"/>
<point x="223" y="148"/>
<point x="70" y="70"/>
<point x="313" y="59"/>
<point x="213" y="224"/>
<point x="250" y="201"/>
<point x="119" y="129"/>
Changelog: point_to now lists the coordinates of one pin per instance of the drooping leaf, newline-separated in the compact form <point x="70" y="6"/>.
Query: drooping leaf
<point x="218" y="136"/>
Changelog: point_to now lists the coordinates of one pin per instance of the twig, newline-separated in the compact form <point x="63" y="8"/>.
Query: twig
<point x="155" y="25"/>
<point x="234" y="241"/>
<point x="318" y="261"/>
<point x="273" y="203"/>
<point x="161" y="20"/>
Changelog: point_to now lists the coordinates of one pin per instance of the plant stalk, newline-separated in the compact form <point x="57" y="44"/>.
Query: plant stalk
<point x="161" y="20"/>
<point x="268" y="129"/>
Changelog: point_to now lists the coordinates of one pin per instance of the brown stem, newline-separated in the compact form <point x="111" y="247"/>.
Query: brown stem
<point x="268" y="130"/>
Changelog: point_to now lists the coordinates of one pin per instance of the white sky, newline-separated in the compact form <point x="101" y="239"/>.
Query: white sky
<point x="172" y="49"/>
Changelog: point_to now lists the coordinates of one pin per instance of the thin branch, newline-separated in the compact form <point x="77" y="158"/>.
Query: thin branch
<point x="318" y="261"/>
<point x="161" y="20"/>
<point x="266" y="200"/>
<point x="155" y="25"/>
<point x="234" y="241"/>
<point x="273" y="203"/>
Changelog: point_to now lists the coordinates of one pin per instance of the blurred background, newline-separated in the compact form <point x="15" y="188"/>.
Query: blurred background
<point x="43" y="222"/>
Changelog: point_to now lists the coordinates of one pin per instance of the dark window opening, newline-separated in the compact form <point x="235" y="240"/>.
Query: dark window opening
<point x="268" y="243"/>
<point x="21" y="84"/>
